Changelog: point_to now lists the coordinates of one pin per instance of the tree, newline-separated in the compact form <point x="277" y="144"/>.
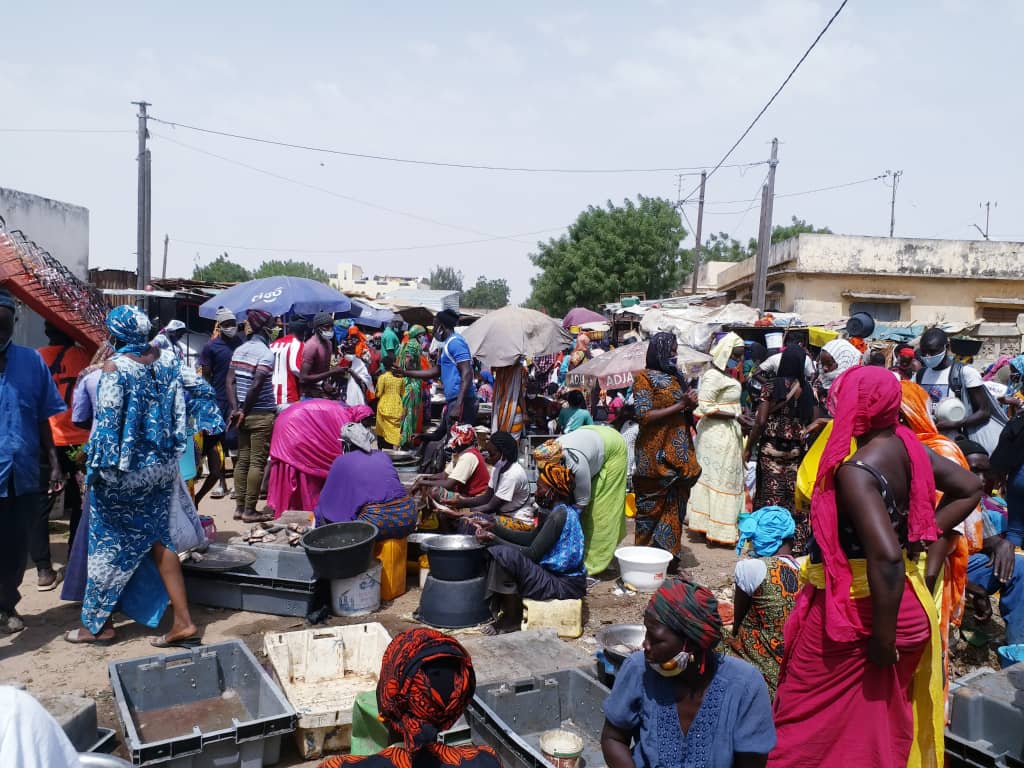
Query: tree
<point x="221" y="270"/>
<point x="445" y="279"/>
<point x="721" y="247"/>
<point x="796" y="227"/>
<point x="487" y="294"/>
<point x="289" y="268"/>
<point x="610" y="251"/>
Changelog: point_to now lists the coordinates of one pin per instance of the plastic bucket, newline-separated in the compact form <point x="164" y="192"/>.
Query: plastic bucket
<point x="1010" y="655"/>
<point x="357" y="595"/>
<point x="773" y="340"/>
<point x="643" y="568"/>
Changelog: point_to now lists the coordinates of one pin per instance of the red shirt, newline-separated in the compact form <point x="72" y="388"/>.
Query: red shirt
<point x="287" y="362"/>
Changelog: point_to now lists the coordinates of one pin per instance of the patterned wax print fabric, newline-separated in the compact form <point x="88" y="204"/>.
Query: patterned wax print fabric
<point x="201" y="406"/>
<point x="666" y="464"/>
<point x="394" y="519"/>
<point x="566" y="557"/>
<point x="410" y="358"/>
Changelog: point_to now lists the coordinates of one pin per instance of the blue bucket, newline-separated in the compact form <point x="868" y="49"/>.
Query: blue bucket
<point x="1010" y="655"/>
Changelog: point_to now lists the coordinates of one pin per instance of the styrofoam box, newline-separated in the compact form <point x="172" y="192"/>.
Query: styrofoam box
<point x="320" y="672"/>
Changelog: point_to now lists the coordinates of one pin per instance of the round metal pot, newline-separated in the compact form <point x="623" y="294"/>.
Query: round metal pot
<point x="455" y="557"/>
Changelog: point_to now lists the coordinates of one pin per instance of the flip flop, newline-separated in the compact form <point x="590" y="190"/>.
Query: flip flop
<point x="220" y="493"/>
<point x="75" y="637"/>
<point x="186" y="642"/>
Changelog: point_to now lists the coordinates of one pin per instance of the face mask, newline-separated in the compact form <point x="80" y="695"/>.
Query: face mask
<point x="676" y="665"/>
<point x="827" y="377"/>
<point x="229" y="332"/>
<point x="327" y="335"/>
<point x="933" y="361"/>
<point x="435" y="346"/>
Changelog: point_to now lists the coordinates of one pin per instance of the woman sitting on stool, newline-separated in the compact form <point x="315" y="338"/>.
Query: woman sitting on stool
<point x="551" y="567"/>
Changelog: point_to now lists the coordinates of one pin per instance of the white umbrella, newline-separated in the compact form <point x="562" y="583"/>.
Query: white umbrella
<point x="615" y="369"/>
<point x="500" y="338"/>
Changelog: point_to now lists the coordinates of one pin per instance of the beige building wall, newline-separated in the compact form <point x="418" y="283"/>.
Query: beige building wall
<point x="353" y="279"/>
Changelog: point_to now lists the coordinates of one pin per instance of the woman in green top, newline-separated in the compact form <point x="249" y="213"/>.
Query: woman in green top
<point x="575" y="415"/>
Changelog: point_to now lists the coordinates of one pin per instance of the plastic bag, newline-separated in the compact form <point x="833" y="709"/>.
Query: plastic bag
<point x="183" y="519"/>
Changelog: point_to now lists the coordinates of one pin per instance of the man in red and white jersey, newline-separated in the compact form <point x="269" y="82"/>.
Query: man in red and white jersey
<point x="287" y="363"/>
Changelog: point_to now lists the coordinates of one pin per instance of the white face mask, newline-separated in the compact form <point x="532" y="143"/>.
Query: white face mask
<point x="933" y="361"/>
<point x="681" y="661"/>
<point x="827" y="377"/>
<point x="229" y="331"/>
<point x="327" y="335"/>
<point x="435" y="345"/>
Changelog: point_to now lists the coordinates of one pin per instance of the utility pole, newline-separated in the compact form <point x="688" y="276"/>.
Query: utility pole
<point x="142" y="213"/>
<point x="700" y="223"/>
<point x="764" y="238"/>
<point x="892" y="210"/>
<point x="163" y="272"/>
<point x="989" y="205"/>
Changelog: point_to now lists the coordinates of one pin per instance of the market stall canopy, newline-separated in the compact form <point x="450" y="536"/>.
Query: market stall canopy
<point x="696" y="326"/>
<point x="580" y="315"/>
<point x="368" y="314"/>
<point x="615" y="369"/>
<point x="279" y="296"/>
<point x="501" y="337"/>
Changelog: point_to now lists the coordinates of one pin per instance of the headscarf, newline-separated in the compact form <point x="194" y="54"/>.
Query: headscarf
<point x="765" y="528"/>
<point x="359" y="436"/>
<point x="407" y="698"/>
<point x="791" y="367"/>
<point x="1017" y="364"/>
<point x="915" y="406"/>
<point x="416" y="331"/>
<point x="864" y="398"/>
<point x="174" y="325"/>
<point x="558" y="477"/>
<point x="722" y="351"/>
<point x="689" y="610"/>
<point x="461" y="436"/>
<point x="844" y="353"/>
<point x="659" y="353"/>
<point x="130" y="328"/>
<point x="259" y="319"/>
<point x="548" y="452"/>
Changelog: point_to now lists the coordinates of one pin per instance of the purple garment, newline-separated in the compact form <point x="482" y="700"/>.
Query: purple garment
<point x="356" y="479"/>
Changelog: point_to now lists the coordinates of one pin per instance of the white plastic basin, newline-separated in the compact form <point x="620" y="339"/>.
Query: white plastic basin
<point x="642" y="568"/>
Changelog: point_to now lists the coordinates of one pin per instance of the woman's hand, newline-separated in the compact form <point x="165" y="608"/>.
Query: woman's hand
<point x="882" y="652"/>
<point x="746" y="453"/>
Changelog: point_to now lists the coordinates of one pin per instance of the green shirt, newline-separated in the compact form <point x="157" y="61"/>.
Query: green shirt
<point x="389" y="342"/>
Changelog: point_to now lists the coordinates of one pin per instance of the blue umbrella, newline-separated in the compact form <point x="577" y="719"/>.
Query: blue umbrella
<point x="278" y="296"/>
<point x="370" y="316"/>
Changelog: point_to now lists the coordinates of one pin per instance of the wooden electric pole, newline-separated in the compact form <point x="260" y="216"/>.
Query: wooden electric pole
<point x="759" y="293"/>
<point x="142" y="212"/>
<point x="163" y="272"/>
<point x="892" y="209"/>
<point x="700" y="223"/>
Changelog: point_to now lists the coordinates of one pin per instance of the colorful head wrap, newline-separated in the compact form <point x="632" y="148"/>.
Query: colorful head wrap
<point x="863" y="399"/>
<point x="548" y="452"/>
<point x="413" y="702"/>
<point x="461" y="436"/>
<point x="416" y="331"/>
<point x="722" y="351"/>
<point x="258" y="319"/>
<point x="689" y="610"/>
<point x="1017" y="365"/>
<point x="558" y="477"/>
<point x="130" y="328"/>
<point x="765" y="528"/>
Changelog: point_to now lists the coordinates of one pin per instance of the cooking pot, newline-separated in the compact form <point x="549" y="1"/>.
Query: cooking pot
<point x="454" y="604"/>
<point x="619" y="641"/>
<point x="455" y="557"/>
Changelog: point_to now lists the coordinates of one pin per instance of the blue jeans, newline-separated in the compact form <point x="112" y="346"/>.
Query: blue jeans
<point x="1015" y="507"/>
<point x="1011" y="594"/>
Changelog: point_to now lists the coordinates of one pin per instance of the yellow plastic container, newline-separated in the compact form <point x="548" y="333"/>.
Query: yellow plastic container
<point x="630" y="505"/>
<point x="392" y="554"/>
<point x="563" y="616"/>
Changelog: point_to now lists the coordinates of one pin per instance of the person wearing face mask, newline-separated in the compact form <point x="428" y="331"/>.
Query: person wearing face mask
<point x="678" y="701"/>
<point x="551" y="566"/>
<point x="214" y="361"/>
<point x="28" y="398"/>
<point x="943" y="378"/>
<point x="316" y="366"/>
<point x="717" y="499"/>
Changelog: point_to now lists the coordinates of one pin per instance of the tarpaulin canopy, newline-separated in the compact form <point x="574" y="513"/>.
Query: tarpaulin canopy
<point x="279" y="295"/>
<point x="500" y="338"/>
<point x="580" y="315"/>
<point x="696" y="326"/>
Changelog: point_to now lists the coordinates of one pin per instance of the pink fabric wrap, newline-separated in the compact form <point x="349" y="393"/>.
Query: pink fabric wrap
<point x="304" y="445"/>
<point x="864" y="398"/>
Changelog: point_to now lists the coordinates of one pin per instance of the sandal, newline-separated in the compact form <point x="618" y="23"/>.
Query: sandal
<point x="186" y="642"/>
<point x="75" y="637"/>
<point x="257" y="517"/>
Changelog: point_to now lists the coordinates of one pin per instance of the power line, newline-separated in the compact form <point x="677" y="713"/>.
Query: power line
<point x="66" y="130"/>
<point x="880" y="177"/>
<point x="435" y="163"/>
<point x="339" y="195"/>
<point x="774" y="95"/>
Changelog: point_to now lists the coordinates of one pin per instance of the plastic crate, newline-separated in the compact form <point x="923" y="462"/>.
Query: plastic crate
<point x="279" y="582"/>
<point x="986" y="726"/>
<point x="321" y="671"/>
<point x="210" y="707"/>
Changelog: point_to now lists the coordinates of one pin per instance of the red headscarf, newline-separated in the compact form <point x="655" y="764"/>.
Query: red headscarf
<point x="864" y="398"/>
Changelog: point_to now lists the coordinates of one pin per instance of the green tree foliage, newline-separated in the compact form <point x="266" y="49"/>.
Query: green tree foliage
<point x="221" y="270"/>
<point x="721" y="247"/>
<point x="610" y="251"/>
<point x="290" y="268"/>
<point x="487" y="294"/>
<point x="445" y="279"/>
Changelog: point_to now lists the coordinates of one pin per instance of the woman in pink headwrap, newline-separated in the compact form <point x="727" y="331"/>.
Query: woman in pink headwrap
<point x="861" y="680"/>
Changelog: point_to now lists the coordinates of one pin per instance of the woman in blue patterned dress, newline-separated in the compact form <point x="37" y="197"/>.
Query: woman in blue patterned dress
<point x="131" y="471"/>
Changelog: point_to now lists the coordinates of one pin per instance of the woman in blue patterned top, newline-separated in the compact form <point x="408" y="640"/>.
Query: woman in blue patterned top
<point x="678" y="702"/>
<point x="132" y="467"/>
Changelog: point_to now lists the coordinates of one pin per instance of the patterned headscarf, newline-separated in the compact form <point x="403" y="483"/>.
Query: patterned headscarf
<point x="844" y="353"/>
<point x="130" y="328"/>
<point x="548" y="452"/>
<point x="765" y="529"/>
<point x="659" y="353"/>
<point x="461" y="436"/>
<point x="689" y="610"/>
<point x="258" y="320"/>
<point x="407" y="700"/>
<point x="558" y="477"/>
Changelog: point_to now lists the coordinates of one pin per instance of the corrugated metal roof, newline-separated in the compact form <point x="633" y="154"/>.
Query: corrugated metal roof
<point x="415" y="297"/>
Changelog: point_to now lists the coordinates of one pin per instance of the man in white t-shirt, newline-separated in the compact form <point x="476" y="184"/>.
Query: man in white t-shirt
<point x="770" y="367"/>
<point x="935" y="377"/>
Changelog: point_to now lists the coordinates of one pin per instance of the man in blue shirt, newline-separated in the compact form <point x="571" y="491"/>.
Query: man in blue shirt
<point x="455" y="367"/>
<point x="215" y="359"/>
<point x="28" y="398"/>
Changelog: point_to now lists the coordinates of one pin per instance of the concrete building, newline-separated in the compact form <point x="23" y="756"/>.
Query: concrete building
<point x="827" y="277"/>
<point x="707" y="277"/>
<point x="60" y="228"/>
<point x="352" y="279"/>
<point x="435" y="301"/>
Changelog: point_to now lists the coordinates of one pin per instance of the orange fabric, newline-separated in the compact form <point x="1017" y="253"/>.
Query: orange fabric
<point x="361" y="346"/>
<point x="65" y="433"/>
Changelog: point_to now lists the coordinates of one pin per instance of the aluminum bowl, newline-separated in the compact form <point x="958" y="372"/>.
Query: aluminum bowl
<point x="620" y="640"/>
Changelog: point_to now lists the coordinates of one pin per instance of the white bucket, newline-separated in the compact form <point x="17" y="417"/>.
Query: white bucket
<point x="773" y="340"/>
<point x="357" y="595"/>
<point x="643" y="568"/>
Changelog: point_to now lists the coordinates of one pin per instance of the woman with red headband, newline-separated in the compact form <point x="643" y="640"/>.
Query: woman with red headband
<point x="861" y="679"/>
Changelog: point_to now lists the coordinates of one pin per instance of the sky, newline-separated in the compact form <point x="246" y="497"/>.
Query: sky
<point x="929" y="88"/>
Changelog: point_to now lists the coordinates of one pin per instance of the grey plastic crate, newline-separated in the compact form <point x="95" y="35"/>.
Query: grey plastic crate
<point x="192" y="682"/>
<point x="279" y="582"/>
<point x="986" y="726"/>
<point x="511" y="717"/>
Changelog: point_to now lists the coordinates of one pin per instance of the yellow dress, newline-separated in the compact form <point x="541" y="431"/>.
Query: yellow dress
<point x="389" y="408"/>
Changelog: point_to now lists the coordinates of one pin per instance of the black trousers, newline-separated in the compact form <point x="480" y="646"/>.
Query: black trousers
<point x="39" y="535"/>
<point x="17" y="514"/>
